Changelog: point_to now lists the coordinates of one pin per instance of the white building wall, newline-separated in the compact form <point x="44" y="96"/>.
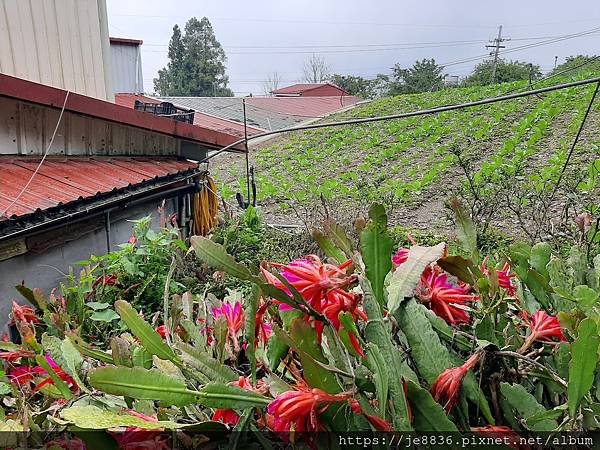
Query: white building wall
<point x="61" y="43"/>
<point x="126" y="61"/>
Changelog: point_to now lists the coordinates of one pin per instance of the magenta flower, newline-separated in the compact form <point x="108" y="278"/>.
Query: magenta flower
<point x="234" y="316"/>
<point x="443" y="298"/>
<point x="400" y="257"/>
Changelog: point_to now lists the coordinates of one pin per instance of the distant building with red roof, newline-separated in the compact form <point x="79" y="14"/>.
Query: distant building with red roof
<point x="310" y="90"/>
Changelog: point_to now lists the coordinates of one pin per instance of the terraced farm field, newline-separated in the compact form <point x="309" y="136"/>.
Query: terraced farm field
<point x="414" y="165"/>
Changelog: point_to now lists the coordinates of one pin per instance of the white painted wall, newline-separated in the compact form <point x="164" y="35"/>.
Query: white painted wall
<point x="126" y="63"/>
<point x="61" y="43"/>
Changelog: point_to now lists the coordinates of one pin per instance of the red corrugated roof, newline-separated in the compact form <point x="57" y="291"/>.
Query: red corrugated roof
<point x="54" y="98"/>
<point x="125" y="41"/>
<point x="63" y="180"/>
<point x="303" y="106"/>
<point x="303" y="87"/>
<point x="200" y="119"/>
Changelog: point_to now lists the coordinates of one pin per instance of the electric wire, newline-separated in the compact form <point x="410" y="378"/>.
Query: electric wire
<point x="39" y="166"/>
<point x="405" y="115"/>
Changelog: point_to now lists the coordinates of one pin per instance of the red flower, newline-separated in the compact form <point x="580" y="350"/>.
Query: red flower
<point x="23" y="313"/>
<point x="321" y="287"/>
<point x="504" y="277"/>
<point x="544" y="328"/>
<point x="162" y="331"/>
<point x="299" y="410"/>
<point x="507" y="435"/>
<point x="311" y="278"/>
<point x="16" y="354"/>
<point x="134" y="438"/>
<point x="262" y="329"/>
<point x="377" y="422"/>
<point x="234" y="316"/>
<point x="443" y="298"/>
<point x="227" y="416"/>
<point x="446" y="387"/>
<point x="23" y="375"/>
<point x="105" y="280"/>
<point x="400" y="257"/>
<point x="132" y="240"/>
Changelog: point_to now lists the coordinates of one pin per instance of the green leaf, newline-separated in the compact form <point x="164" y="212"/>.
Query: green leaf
<point x="86" y="350"/>
<point x="376" y="249"/>
<point x="538" y="286"/>
<point x="328" y="247"/>
<point x="250" y="327"/>
<point x="405" y="278"/>
<point x="430" y="356"/>
<point x="466" y="232"/>
<point x="540" y="257"/>
<point x="56" y="380"/>
<point x="217" y="257"/>
<point x="586" y="297"/>
<point x="94" y="418"/>
<point x="338" y="236"/>
<point x="276" y="351"/>
<point x="222" y="396"/>
<point x="377" y="333"/>
<point x="142" y="330"/>
<point x="34" y="296"/>
<point x="584" y="359"/>
<point x="380" y="376"/>
<point x="428" y="415"/>
<point x="460" y="267"/>
<point x="97" y="306"/>
<point x="526" y="406"/>
<point x="140" y="383"/>
<point x="203" y="362"/>
<point x="304" y="339"/>
<point x="577" y="265"/>
<point x="108" y="315"/>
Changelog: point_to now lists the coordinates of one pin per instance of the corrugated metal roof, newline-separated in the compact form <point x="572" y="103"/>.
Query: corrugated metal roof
<point x="303" y="87"/>
<point x="268" y="113"/>
<point x="63" y="180"/>
<point x="201" y="119"/>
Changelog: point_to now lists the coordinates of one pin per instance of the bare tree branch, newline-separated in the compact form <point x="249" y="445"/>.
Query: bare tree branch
<point x="271" y="83"/>
<point x="315" y="70"/>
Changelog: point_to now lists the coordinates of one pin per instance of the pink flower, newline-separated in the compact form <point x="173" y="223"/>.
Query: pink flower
<point x="400" y="257"/>
<point x="446" y="387"/>
<point x="234" y="316"/>
<point x="443" y="298"/>
<point x="299" y="410"/>
<point x="543" y="327"/>
<point x="504" y="277"/>
<point x="320" y="285"/>
<point x="66" y="444"/>
<point x="311" y="278"/>
<point x="262" y="329"/>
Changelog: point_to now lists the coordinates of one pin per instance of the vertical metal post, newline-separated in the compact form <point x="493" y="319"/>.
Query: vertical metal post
<point x="246" y="148"/>
<point x="107" y="230"/>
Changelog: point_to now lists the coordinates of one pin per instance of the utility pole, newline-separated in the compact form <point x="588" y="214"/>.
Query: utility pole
<point x="496" y="46"/>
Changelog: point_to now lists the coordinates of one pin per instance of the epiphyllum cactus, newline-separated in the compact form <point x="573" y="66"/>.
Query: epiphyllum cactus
<point x="234" y="317"/>
<point x="446" y="387"/>
<point x="442" y="297"/>
<point x="543" y="327"/>
<point x="504" y="277"/>
<point x="299" y="410"/>
<point x="321" y="285"/>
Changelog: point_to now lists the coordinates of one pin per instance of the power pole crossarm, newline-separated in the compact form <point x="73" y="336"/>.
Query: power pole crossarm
<point x="496" y="46"/>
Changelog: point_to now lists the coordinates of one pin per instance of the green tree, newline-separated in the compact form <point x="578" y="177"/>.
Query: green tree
<point x="578" y="63"/>
<point x="506" y="72"/>
<point x="354" y="85"/>
<point x="196" y="63"/>
<point x="425" y="75"/>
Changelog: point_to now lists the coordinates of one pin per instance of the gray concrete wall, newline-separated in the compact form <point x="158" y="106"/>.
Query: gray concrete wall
<point x="44" y="268"/>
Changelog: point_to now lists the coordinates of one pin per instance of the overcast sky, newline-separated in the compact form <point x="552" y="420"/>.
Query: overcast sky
<point x="357" y="37"/>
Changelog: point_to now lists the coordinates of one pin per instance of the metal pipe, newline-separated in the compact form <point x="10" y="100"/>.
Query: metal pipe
<point x="422" y="112"/>
<point x="107" y="230"/>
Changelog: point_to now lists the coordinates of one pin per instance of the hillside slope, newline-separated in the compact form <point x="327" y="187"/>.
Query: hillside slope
<point x="414" y="165"/>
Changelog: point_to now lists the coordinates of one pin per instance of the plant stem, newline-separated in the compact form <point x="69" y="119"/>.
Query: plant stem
<point x="533" y="362"/>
